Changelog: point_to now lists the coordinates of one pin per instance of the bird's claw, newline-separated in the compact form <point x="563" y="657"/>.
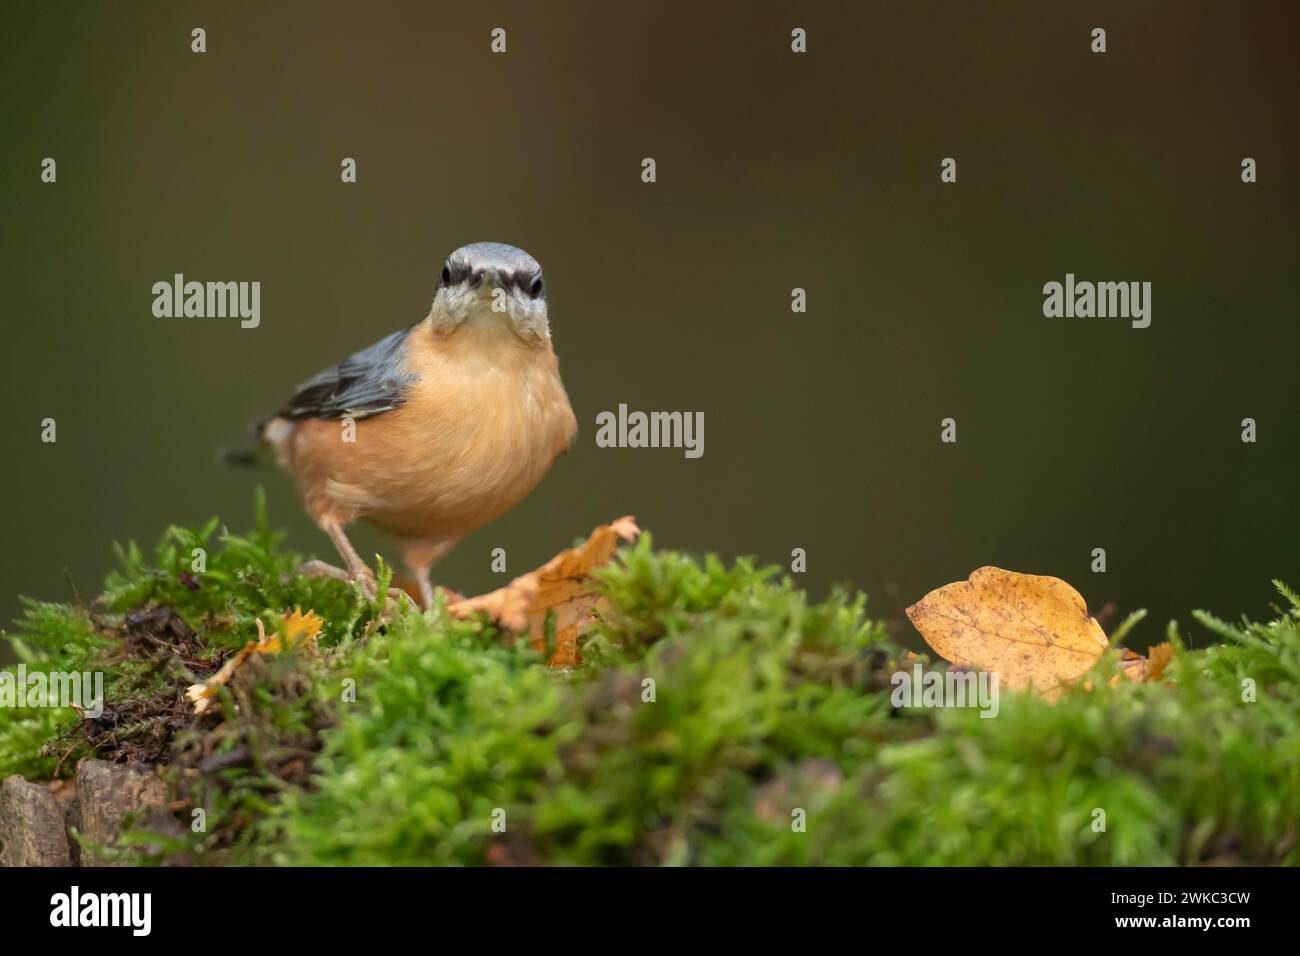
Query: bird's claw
<point x="320" y="569"/>
<point x="364" y="578"/>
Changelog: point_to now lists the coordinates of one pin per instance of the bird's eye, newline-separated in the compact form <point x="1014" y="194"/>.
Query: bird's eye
<point x="536" y="288"/>
<point x="446" y="275"/>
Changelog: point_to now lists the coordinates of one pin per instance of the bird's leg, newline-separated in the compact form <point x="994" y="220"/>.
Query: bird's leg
<point x="419" y="557"/>
<point x="358" y="570"/>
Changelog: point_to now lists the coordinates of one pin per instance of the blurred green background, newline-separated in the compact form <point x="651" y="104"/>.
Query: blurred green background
<point x="774" y="171"/>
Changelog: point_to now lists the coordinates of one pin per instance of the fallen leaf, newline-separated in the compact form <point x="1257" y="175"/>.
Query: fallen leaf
<point x="1030" y="629"/>
<point x="562" y="587"/>
<point x="1132" y="665"/>
<point x="1158" y="658"/>
<point x="1144" y="669"/>
<point x="295" y="629"/>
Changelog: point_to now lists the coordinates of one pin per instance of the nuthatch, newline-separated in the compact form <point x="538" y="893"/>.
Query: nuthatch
<point x="454" y="420"/>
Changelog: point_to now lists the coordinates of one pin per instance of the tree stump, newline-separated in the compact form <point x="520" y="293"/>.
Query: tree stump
<point x="36" y="818"/>
<point x="106" y="794"/>
<point x="31" y="826"/>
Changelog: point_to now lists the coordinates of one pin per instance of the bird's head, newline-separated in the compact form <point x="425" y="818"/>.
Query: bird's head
<point x="491" y="281"/>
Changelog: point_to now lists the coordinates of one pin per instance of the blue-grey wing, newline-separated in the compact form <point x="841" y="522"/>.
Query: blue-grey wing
<point x="365" y="383"/>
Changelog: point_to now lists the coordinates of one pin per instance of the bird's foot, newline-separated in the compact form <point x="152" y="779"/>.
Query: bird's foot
<point x="320" y="569"/>
<point x="363" y="577"/>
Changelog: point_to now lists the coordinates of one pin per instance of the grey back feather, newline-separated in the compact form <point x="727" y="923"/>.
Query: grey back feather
<point x="365" y="383"/>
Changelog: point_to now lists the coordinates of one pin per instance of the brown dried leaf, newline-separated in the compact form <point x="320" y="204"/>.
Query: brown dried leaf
<point x="561" y="586"/>
<point x="1159" y="657"/>
<point x="1147" y="669"/>
<point x="1030" y="629"/>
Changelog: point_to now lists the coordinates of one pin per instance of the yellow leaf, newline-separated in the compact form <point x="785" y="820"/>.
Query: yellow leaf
<point x="561" y="586"/>
<point x="1158" y="658"/>
<point x="296" y="628"/>
<point x="299" y="628"/>
<point x="1131" y="665"/>
<point x="1141" y="669"/>
<point x="1029" y="629"/>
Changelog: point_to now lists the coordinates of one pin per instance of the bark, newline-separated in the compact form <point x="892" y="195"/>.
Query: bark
<point x="31" y="826"/>
<point x="106" y="794"/>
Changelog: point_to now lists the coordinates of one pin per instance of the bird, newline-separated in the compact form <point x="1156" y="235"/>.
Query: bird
<point x="436" y="430"/>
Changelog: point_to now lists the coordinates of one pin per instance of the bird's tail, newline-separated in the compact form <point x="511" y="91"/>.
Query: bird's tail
<point x="251" y="451"/>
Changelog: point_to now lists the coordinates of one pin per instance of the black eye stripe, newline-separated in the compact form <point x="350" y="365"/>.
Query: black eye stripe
<point x="530" y="283"/>
<point x="527" y="281"/>
<point x="454" y="273"/>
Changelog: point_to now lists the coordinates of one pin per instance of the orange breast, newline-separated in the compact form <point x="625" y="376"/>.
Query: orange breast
<point x="481" y="427"/>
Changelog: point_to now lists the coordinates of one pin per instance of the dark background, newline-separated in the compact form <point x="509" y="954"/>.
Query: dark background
<point x="775" y="170"/>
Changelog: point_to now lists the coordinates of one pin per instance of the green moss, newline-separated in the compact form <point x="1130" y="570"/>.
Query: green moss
<point x="716" y="708"/>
